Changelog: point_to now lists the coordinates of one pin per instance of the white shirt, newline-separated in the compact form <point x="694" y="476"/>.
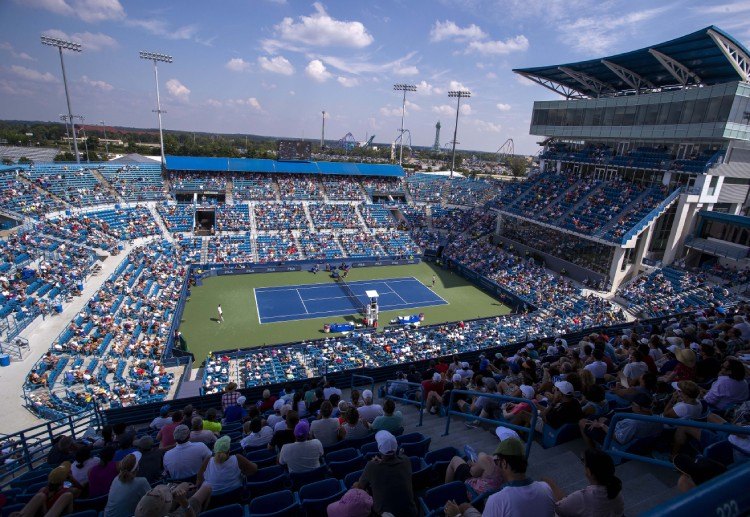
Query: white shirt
<point x="370" y="412"/>
<point x="159" y="422"/>
<point x="279" y="426"/>
<point x="274" y="419"/>
<point x="185" y="459"/>
<point x="683" y="410"/>
<point x="327" y="392"/>
<point x="325" y="430"/>
<point x="220" y="311"/>
<point x="223" y="477"/>
<point x="262" y="437"/>
<point x="301" y="456"/>
<point x="82" y="474"/>
<point x="533" y="500"/>
<point x="598" y="369"/>
<point x="635" y="370"/>
<point x="655" y="354"/>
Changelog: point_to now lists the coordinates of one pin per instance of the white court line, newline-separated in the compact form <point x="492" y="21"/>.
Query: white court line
<point x="431" y="290"/>
<point x="289" y="317"/>
<point x="257" y="307"/>
<point x="394" y="292"/>
<point x="332" y="282"/>
<point x="303" y="303"/>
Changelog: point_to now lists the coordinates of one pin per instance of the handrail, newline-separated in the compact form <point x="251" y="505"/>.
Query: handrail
<point x="367" y="381"/>
<point x="416" y="386"/>
<point x="502" y="422"/>
<point x="725" y="495"/>
<point x="608" y="440"/>
<point x="640" y="225"/>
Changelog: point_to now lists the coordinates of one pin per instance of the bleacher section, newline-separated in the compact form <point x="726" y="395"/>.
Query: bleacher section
<point x="280" y="216"/>
<point x="72" y="183"/>
<point x="177" y="218"/>
<point x="258" y="187"/>
<point x="135" y="182"/>
<point x="321" y="246"/>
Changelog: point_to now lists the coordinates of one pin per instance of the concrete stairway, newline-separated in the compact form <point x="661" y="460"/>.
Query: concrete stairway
<point x="101" y="179"/>
<point x="162" y="227"/>
<point x="310" y="224"/>
<point x="229" y="198"/>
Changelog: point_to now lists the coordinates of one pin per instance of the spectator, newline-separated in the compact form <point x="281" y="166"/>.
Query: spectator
<point x="696" y="471"/>
<point x="151" y="464"/>
<point x="730" y="387"/>
<point x="280" y="438"/>
<point x="603" y="496"/>
<point x="125" y="446"/>
<point x="267" y="402"/>
<point x="230" y="396"/>
<point x="634" y="369"/>
<point x="520" y="497"/>
<point x="163" y="418"/>
<point x="126" y="489"/>
<point x="236" y="412"/>
<point x="684" y="402"/>
<point x="325" y="428"/>
<point x="355" y="503"/>
<point x="369" y="411"/>
<point x="563" y="408"/>
<point x="161" y="501"/>
<point x="222" y="472"/>
<point x="54" y="499"/>
<point x="627" y="429"/>
<point x="166" y="433"/>
<point x="61" y="451"/>
<point x="82" y="465"/>
<point x="685" y="368"/>
<point x="186" y="458"/>
<point x="391" y="420"/>
<point x="303" y="454"/>
<point x="354" y="427"/>
<point x="432" y="391"/>
<point x="199" y="434"/>
<point x="102" y="475"/>
<point x="257" y="434"/>
<point x="482" y="475"/>
<point x="212" y="422"/>
<point x="388" y="477"/>
<point x="330" y="389"/>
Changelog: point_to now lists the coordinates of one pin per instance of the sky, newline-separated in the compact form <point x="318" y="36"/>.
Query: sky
<point x="270" y="67"/>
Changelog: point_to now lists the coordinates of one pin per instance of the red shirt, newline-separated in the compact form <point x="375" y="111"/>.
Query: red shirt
<point x="683" y="373"/>
<point x="429" y="386"/>
<point x="441" y="368"/>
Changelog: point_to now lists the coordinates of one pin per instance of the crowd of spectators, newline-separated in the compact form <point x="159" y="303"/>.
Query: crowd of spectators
<point x="198" y="181"/>
<point x="299" y="187"/>
<point x="280" y="216"/>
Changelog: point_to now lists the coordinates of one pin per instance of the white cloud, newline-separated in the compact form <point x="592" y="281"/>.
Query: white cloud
<point x="214" y="103"/>
<point x="91" y="11"/>
<point x="407" y="70"/>
<point x="502" y="106"/>
<point x="411" y="106"/>
<point x="277" y="65"/>
<point x="18" y="55"/>
<point x="91" y="41"/>
<point x="514" y="44"/>
<point x="455" y="85"/>
<point x="317" y="70"/>
<point x="524" y="81"/>
<point x="33" y="75"/>
<point x="320" y="30"/>
<point x="449" y="30"/>
<point x="491" y="75"/>
<point x="444" y="109"/>
<point x="347" y="82"/>
<point x="362" y="66"/>
<point x="388" y="111"/>
<point x="162" y="29"/>
<point x="466" y="109"/>
<point x="483" y="125"/>
<point x="178" y="90"/>
<point x="250" y="102"/>
<point x="100" y="85"/>
<point x="730" y="8"/>
<point x="237" y="64"/>
<point x="425" y="88"/>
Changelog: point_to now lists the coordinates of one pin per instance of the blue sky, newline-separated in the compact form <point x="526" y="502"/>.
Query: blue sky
<point x="270" y="66"/>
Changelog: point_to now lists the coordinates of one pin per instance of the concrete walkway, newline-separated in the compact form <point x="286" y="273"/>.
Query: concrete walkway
<point x="40" y="334"/>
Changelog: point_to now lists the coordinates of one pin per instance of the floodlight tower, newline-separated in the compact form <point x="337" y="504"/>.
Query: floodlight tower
<point x="64" y="118"/>
<point x="458" y="94"/>
<point x="323" y="133"/>
<point x="106" y="142"/>
<point x="164" y="58"/>
<point x="75" y="47"/>
<point x="403" y="88"/>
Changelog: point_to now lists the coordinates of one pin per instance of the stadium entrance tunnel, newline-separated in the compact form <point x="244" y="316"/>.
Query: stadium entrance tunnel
<point x="205" y="221"/>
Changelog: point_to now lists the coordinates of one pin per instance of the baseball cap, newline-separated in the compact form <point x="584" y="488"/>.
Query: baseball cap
<point x="355" y="503"/>
<point x="156" y="503"/>
<point x="59" y="474"/>
<point x="241" y="401"/>
<point x="436" y="377"/>
<point x="387" y="443"/>
<point x="367" y="394"/>
<point x="277" y="405"/>
<point x="510" y="447"/>
<point x="505" y="434"/>
<point x="223" y="444"/>
<point x="181" y="433"/>
<point x="144" y="442"/>
<point x="164" y="410"/>
<point x="565" y="387"/>
<point x="302" y="429"/>
<point x="699" y="469"/>
<point x="527" y="391"/>
<point x="456" y="377"/>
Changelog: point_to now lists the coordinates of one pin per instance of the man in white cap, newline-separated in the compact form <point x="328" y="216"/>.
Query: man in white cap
<point x="432" y="391"/>
<point x="274" y="419"/>
<point x="388" y="476"/>
<point x="369" y="412"/>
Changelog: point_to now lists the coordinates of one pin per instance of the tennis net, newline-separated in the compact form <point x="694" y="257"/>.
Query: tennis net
<point x="348" y="290"/>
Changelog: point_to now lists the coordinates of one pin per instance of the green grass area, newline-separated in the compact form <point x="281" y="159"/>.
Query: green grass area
<point x="241" y="329"/>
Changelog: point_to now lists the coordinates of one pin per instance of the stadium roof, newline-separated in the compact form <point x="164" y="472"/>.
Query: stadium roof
<point x="705" y="57"/>
<point x="200" y="163"/>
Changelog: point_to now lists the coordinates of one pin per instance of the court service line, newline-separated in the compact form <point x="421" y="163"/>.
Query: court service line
<point x="290" y="317"/>
<point x="257" y="307"/>
<point x="394" y="292"/>
<point x="303" y="303"/>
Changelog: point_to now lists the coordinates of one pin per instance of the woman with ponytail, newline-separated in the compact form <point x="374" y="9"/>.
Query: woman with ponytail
<point x="603" y="496"/>
<point x="222" y="472"/>
<point x="126" y="489"/>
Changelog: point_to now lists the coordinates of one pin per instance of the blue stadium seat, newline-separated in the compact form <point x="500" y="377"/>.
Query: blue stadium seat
<point x="339" y="469"/>
<point x="352" y="478"/>
<point x="552" y="436"/>
<point x="315" y="497"/>
<point x="278" y="504"/>
<point x="230" y="510"/>
<point x="267" y="480"/>
<point x="419" y="448"/>
<point x="94" y="503"/>
<point x="8" y="509"/>
<point x="299" y="479"/>
<point x="263" y="458"/>
<point x="435" y="498"/>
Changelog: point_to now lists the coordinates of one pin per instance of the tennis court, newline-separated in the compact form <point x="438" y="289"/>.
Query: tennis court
<point x="301" y="302"/>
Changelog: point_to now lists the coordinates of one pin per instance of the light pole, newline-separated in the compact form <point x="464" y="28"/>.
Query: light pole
<point x="75" y="47"/>
<point x="323" y="133"/>
<point x="403" y="88"/>
<point x="106" y="143"/>
<point x="164" y="58"/>
<point x="85" y="138"/>
<point x="64" y="118"/>
<point x="459" y="94"/>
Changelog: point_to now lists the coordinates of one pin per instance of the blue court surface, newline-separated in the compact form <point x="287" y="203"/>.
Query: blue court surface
<point x="302" y="302"/>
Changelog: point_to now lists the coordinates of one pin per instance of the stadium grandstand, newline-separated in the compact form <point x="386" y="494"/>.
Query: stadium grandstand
<point x="618" y="380"/>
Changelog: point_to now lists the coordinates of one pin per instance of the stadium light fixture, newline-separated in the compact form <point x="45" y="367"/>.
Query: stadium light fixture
<point x="458" y="94"/>
<point x="61" y="44"/>
<point x="162" y="58"/>
<point x="403" y="88"/>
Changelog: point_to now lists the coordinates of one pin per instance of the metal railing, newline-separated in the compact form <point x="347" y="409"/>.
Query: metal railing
<point x="499" y="422"/>
<point x="650" y="216"/>
<point x="612" y="451"/>
<point x="365" y="381"/>
<point x="411" y="387"/>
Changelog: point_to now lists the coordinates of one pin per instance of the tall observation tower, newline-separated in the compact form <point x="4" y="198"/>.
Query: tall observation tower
<point x="436" y="145"/>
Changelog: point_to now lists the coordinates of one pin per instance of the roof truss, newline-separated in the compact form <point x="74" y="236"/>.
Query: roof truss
<point x="679" y="71"/>
<point x="561" y="89"/>
<point x="630" y="78"/>
<point x="590" y="83"/>
<point x="739" y="59"/>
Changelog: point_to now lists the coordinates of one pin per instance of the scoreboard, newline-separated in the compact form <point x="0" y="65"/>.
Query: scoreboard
<point x="294" y="150"/>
